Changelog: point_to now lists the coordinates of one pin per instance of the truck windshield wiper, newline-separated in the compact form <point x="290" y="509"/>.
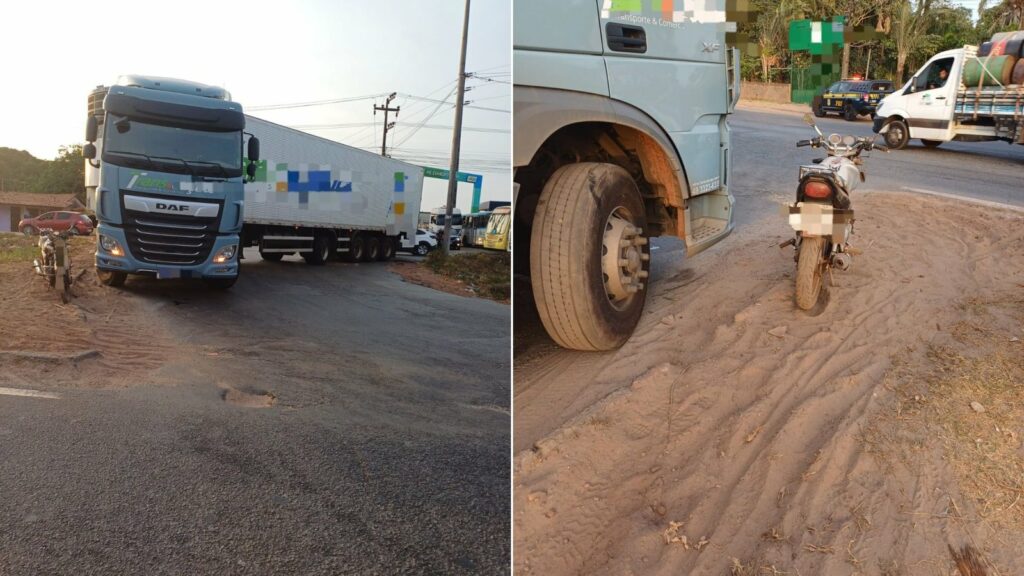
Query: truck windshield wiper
<point x="124" y="153"/>
<point x="217" y="165"/>
<point x="183" y="163"/>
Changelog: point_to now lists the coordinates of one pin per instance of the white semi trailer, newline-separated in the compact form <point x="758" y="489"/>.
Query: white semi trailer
<point x="317" y="198"/>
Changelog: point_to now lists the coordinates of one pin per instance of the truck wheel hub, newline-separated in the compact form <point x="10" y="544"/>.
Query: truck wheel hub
<point x="622" y="258"/>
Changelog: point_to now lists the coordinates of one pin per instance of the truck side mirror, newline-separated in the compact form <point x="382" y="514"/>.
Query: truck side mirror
<point x="254" y="149"/>
<point x="250" y="171"/>
<point x="89" y="151"/>
<point x="91" y="128"/>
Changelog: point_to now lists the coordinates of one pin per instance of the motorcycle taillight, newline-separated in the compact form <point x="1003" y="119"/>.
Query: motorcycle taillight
<point x="817" y="190"/>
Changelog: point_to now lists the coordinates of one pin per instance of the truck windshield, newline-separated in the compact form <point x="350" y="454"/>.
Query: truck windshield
<point x="438" y="219"/>
<point x="173" y="149"/>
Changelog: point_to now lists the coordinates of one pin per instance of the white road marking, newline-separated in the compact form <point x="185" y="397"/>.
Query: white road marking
<point x="29" y="393"/>
<point x="989" y="203"/>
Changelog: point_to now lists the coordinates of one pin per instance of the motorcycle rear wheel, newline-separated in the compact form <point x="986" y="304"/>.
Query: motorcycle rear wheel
<point x="810" y="270"/>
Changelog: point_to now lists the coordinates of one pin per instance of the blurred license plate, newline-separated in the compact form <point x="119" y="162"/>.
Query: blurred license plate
<point x="165" y="273"/>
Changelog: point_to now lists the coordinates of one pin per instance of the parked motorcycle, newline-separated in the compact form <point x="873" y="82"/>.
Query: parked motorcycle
<point x="823" y="215"/>
<point x="56" y="260"/>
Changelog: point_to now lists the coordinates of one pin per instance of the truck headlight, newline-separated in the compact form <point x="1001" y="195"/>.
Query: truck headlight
<point x="225" y="254"/>
<point x="111" y="246"/>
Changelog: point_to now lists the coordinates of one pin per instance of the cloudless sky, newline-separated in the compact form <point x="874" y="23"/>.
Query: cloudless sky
<point x="269" y="53"/>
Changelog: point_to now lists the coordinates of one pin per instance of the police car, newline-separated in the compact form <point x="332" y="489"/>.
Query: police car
<point x="851" y="98"/>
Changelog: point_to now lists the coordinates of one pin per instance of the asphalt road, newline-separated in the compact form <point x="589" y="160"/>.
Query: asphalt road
<point x="386" y="451"/>
<point x="765" y="165"/>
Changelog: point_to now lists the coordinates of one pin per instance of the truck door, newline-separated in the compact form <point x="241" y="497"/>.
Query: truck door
<point x="558" y="45"/>
<point x="667" y="58"/>
<point x="930" y="99"/>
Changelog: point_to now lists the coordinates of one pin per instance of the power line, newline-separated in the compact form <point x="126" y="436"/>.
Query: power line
<point x="315" y="103"/>
<point x="427" y="126"/>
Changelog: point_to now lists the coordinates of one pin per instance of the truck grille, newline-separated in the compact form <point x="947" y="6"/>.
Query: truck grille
<point x="168" y="238"/>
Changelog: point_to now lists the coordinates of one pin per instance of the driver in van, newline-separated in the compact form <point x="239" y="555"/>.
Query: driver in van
<point x="939" y="80"/>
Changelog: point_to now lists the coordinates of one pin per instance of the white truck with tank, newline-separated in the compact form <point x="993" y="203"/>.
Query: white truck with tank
<point x="959" y="95"/>
<point x="620" y="117"/>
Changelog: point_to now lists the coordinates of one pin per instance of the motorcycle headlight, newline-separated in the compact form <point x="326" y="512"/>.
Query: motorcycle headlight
<point x="225" y="254"/>
<point x="111" y="246"/>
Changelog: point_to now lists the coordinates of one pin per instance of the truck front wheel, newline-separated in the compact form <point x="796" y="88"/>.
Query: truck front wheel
<point x="898" y="135"/>
<point x="111" y="278"/>
<point x="589" y="259"/>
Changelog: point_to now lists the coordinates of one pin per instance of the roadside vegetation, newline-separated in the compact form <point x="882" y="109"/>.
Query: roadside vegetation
<point x="17" y="247"/>
<point x="908" y="33"/>
<point x="485" y="274"/>
<point x="964" y="396"/>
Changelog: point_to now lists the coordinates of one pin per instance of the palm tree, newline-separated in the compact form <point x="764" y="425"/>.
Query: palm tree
<point x="908" y="30"/>
<point x="1007" y="15"/>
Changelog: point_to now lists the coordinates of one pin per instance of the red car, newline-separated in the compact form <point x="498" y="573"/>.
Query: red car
<point x="56" y="221"/>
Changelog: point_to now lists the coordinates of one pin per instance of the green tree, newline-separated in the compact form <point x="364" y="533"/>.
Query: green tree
<point x="908" y="31"/>
<point x="63" y="175"/>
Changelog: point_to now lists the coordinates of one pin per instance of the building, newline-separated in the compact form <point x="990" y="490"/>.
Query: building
<point x="17" y="205"/>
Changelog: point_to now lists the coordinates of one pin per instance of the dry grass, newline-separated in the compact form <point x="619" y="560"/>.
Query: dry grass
<point x="980" y="363"/>
<point x="486" y="274"/>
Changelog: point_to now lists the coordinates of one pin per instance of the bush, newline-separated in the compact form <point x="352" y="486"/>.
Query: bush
<point x="489" y="275"/>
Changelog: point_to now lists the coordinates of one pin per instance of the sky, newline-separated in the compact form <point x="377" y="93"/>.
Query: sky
<point x="273" y="53"/>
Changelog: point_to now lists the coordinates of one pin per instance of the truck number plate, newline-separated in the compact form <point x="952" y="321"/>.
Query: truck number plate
<point x="165" y="273"/>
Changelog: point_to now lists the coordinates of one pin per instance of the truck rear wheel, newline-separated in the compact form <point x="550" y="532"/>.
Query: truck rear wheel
<point x="321" y="251"/>
<point x="111" y="278"/>
<point x="387" y="249"/>
<point x="372" y="252"/>
<point x="589" y="259"/>
<point x="356" y="249"/>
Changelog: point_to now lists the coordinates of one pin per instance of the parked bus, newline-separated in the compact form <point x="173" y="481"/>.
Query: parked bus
<point x="498" y="228"/>
<point x="474" y="228"/>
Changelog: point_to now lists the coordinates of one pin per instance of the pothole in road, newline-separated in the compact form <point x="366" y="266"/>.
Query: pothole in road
<point x="246" y="399"/>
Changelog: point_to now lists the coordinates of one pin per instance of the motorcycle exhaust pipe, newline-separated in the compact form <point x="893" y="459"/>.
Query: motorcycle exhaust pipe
<point x="842" y="261"/>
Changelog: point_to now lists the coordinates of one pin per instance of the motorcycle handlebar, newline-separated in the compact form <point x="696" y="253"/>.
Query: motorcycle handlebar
<point x="803" y="143"/>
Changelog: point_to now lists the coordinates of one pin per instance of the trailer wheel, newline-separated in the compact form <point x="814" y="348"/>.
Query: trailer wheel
<point x="111" y="278"/>
<point x="271" y="256"/>
<point x="589" y="259"/>
<point x="356" y="249"/>
<point x="387" y="249"/>
<point x="898" y="135"/>
<point x="372" y="252"/>
<point x="321" y="251"/>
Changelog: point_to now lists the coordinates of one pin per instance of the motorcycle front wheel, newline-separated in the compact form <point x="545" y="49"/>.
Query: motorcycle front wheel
<point x="810" y="270"/>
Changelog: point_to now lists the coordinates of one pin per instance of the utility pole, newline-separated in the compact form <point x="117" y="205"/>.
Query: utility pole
<point x="387" y="126"/>
<point x="453" y="171"/>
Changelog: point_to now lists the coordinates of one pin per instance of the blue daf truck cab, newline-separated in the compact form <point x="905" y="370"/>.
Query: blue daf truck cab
<point x="164" y="175"/>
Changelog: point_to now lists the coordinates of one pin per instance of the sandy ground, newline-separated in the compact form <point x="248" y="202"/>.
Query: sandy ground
<point x="753" y="438"/>
<point x="109" y="322"/>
